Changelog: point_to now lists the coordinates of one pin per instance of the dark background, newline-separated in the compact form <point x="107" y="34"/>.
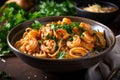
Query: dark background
<point x="117" y="2"/>
<point x="2" y="2"/>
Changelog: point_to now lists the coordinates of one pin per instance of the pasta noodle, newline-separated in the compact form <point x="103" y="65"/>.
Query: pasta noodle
<point x="61" y="39"/>
<point x="99" y="9"/>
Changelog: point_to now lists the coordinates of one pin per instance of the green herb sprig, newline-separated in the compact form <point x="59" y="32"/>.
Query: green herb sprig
<point x="12" y="15"/>
<point x="52" y="8"/>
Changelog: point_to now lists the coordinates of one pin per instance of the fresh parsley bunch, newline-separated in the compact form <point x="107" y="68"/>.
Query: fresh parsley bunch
<point x="12" y="15"/>
<point x="52" y="8"/>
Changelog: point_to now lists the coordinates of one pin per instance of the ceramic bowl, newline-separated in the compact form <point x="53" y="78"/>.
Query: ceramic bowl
<point x="104" y="18"/>
<point x="49" y="65"/>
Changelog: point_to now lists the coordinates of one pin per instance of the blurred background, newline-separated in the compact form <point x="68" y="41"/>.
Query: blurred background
<point x="117" y="2"/>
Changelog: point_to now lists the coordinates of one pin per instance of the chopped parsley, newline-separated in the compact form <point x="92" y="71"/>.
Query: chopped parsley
<point x="36" y="25"/>
<point x="61" y="55"/>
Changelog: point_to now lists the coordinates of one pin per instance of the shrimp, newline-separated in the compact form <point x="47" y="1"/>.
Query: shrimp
<point x="85" y="25"/>
<point x="59" y="22"/>
<point x="66" y="20"/>
<point x="88" y="46"/>
<point x="60" y="33"/>
<point x="87" y="37"/>
<point x="46" y="31"/>
<point x="78" y="52"/>
<point x="75" y="43"/>
<point x="57" y="51"/>
<point x="76" y="30"/>
<point x="48" y="46"/>
<point x="32" y="33"/>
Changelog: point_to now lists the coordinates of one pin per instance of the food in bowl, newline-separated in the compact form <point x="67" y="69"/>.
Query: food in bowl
<point x="61" y="65"/>
<point x="61" y="39"/>
<point x="99" y="9"/>
<point x="100" y="16"/>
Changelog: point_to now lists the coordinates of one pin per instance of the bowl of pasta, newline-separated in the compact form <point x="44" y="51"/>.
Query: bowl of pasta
<point x="102" y="11"/>
<point x="61" y="44"/>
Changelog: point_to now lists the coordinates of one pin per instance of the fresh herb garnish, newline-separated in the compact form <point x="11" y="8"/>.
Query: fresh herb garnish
<point x="12" y="15"/>
<point x="48" y="36"/>
<point x="75" y="24"/>
<point x="61" y="54"/>
<point x="70" y="38"/>
<point x="67" y="27"/>
<point x="82" y="35"/>
<point x="54" y="38"/>
<point x="41" y="41"/>
<point x="36" y="25"/>
<point x="4" y="76"/>
<point x="54" y="26"/>
<point x="52" y="8"/>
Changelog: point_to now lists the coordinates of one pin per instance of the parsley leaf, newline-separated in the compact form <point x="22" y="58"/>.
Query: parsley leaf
<point x="61" y="55"/>
<point x="36" y="25"/>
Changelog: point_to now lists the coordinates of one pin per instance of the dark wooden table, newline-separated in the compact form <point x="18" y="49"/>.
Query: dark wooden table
<point x="18" y="70"/>
<point x="21" y="71"/>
